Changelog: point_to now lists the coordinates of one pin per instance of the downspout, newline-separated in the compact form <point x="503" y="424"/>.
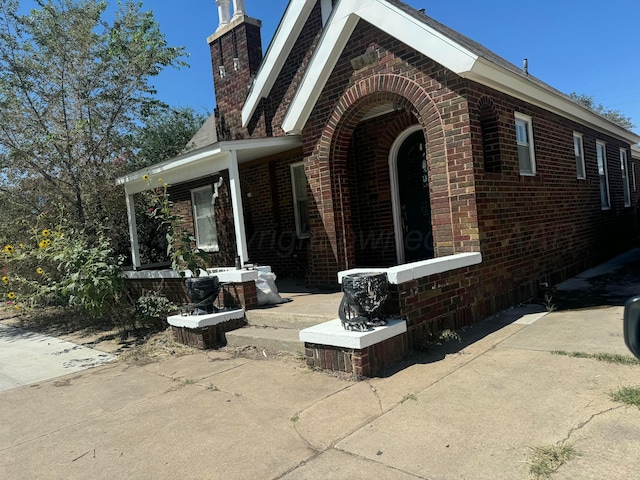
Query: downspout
<point x="133" y="230"/>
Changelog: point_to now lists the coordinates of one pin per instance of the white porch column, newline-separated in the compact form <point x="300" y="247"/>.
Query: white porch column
<point x="238" y="8"/>
<point x="133" y="230"/>
<point x="238" y="210"/>
<point x="224" y="12"/>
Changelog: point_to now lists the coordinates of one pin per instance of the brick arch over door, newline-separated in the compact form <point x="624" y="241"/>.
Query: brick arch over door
<point x="332" y="150"/>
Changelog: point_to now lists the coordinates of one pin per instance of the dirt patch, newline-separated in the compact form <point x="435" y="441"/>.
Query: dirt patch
<point x="73" y="327"/>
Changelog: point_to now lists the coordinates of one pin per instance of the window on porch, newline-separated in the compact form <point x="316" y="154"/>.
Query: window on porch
<point x="300" y="200"/>
<point x="204" y="219"/>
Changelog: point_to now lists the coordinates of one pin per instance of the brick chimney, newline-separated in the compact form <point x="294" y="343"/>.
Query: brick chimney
<point x="236" y="53"/>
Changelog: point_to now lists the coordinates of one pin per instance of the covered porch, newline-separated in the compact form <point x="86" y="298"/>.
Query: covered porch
<point x="217" y="161"/>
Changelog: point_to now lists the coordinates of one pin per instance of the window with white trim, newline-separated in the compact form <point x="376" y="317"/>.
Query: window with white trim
<point x="204" y="220"/>
<point x="624" y="167"/>
<point x="300" y="200"/>
<point x="578" y="150"/>
<point x="524" y="139"/>
<point x="601" y="155"/>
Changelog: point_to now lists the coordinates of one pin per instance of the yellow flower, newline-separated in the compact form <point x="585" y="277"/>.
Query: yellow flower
<point x="39" y="271"/>
<point x="46" y="233"/>
<point x="8" y="249"/>
<point x="5" y="279"/>
<point x="11" y="295"/>
<point x="145" y="177"/>
<point x="44" y="243"/>
<point x="17" y="307"/>
<point x="160" y="181"/>
<point x="58" y="234"/>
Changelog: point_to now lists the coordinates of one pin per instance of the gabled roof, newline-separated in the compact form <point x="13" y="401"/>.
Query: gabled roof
<point x="451" y="49"/>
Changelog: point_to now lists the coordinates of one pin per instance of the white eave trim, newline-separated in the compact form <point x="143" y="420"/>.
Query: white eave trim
<point x="635" y="152"/>
<point x="435" y="45"/>
<point x="486" y="73"/>
<point x="205" y="161"/>
<point x="294" y="19"/>
<point x="397" y="23"/>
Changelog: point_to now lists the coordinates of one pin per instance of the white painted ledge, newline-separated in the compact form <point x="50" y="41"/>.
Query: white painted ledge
<point x="227" y="275"/>
<point x="333" y="333"/>
<point x="415" y="270"/>
<point x="201" y="321"/>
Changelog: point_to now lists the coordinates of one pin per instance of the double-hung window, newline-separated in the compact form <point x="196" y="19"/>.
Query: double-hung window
<point x="300" y="200"/>
<point x="624" y="166"/>
<point x="524" y="139"/>
<point x="578" y="150"/>
<point x="204" y="219"/>
<point x="601" y="155"/>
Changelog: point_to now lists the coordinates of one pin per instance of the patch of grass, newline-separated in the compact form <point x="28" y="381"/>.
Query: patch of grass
<point x="295" y="418"/>
<point x="409" y="396"/>
<point x="448" y="334"/>
<point x="544" y="461"/>
<point x="213" y="388"/>
<point x="548" y="303"/>
<point x="184" y="382"/>
<point x="602" y="357"/>
<point x="626" y="395"/>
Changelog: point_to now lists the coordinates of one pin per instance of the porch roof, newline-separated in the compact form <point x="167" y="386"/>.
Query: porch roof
<point x="207" y="160"/>
<point x="451" y="49"/>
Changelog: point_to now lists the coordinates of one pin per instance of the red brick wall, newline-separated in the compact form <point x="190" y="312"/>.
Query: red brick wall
<point x="269" y="216"/>
<point x="180" y="195"/>
<point x="268" y="117"/>
<point x="543" y="228"/>
<point x="529" y="229"/>
<point x="430" y="93"/>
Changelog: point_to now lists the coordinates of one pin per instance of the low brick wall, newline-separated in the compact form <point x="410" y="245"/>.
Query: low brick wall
<point x="231" y="295"/>
<point x="366" y="362"/>
<point x="207" y="337"/>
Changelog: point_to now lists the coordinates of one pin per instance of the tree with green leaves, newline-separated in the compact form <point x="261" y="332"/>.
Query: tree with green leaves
<point x="616" y="116"/>
<point x="73" y="90"/>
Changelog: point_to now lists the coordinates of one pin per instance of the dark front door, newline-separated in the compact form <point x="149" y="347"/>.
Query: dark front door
<point x="415" y="204"/>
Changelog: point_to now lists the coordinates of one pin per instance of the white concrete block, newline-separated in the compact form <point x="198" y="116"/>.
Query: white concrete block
<point x="333" y="333"/>
<point x="201" y="321"/>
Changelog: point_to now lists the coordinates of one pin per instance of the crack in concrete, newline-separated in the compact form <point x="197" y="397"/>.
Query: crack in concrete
<point x="374" y="390"/>
<point x="581" y="425"/>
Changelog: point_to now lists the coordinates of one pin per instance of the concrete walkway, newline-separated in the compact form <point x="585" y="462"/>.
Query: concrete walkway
<point x="470" y="410"/>
<point x="28" y="357"/>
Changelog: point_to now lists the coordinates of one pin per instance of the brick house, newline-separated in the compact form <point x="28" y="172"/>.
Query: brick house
<point x="370" y="136"/>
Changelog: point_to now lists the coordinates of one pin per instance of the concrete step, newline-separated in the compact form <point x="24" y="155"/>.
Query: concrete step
<point x="278" y="318"/>
<point x="268" y="338"/>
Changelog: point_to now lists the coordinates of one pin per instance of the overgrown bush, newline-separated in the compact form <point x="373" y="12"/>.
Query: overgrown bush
<point x="69" y="268"/>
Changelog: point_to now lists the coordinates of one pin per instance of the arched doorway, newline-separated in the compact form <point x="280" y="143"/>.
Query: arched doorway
<point x="409" y="174"/>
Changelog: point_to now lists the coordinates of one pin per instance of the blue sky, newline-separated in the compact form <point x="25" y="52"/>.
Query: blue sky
<point x="586" y="46"/>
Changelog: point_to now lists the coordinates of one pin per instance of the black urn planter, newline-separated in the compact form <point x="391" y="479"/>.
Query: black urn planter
<point x="202" y="292"/>
<point x="364" y="297"/>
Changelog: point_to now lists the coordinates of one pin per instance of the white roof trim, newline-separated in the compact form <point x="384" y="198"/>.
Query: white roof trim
<point x="205" y="161"/>
<point x="486" y="73"/>
<point x="290" y="27"/>
<point x="415" y="34"/>
<point x="635" y="152"/>
<point x="397" y="23"/>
